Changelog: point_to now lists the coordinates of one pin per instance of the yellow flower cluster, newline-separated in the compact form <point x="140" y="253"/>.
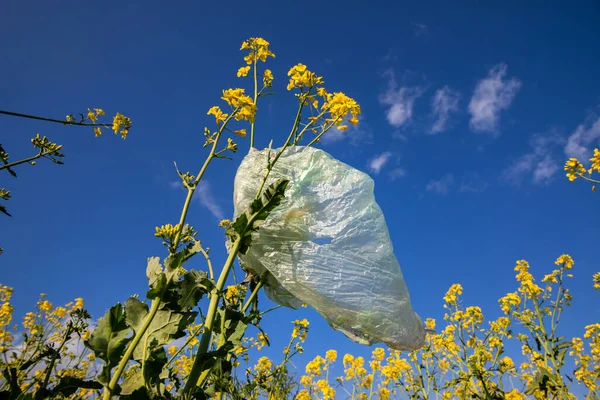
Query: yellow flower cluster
<point x="574" y="169"/>
<point x="235" y="294"/>
<point x="302" y="78"/>
<point x="258" y="50"/>
<point x="121" y="124"/>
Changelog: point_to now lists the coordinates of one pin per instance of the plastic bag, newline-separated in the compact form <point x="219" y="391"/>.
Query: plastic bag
<point x="327" y="245"/>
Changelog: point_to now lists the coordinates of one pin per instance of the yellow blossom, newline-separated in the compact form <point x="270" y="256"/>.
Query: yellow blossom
<point x="331" y="356"/>
<point x="240" y="132"/>
<point x="378" y="354"/>
<point x="97" y="131"/>
<point x="220" y="116"/>
<point x="92" y="116"/>
<point x="565" y="260"/>
<point x="243" y="71"/>
<point x="451" y="296"/>
<point x="574" y="169"/>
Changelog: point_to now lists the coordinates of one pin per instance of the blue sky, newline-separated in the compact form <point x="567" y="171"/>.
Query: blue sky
<point x="469" y="113"/>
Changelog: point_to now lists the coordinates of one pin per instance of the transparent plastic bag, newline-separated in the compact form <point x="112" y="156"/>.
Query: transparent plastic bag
<point x="327" y="245"/>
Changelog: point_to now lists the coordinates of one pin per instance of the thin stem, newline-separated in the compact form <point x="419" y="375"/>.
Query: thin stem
<point x="64" y="122"/>
<point x="41" y="154"/>
<point x="255" y="99"/>
<point x="187" y="342"/>
<point x="192" y="380"/>
<point x="54" y="357"/>
<point x="316" y="139"/>
<point x="209" y="262"/>
<point x="588" y="179"/>
<point x="252" y="295"/>
<point x="136" y="339"/>
<point x="285" y="145"/>
<point x="192" y="188"/>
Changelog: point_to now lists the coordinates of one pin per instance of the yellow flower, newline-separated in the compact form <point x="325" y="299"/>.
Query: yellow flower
<point x="506" y="363"/>
<point x="303" y="395"/>
<point x="565" y="260"/>
<point x="240" y="132"/>
<point x="60" y="312"/>
<point x="331" y="356"/>
<point x="596" y="280"/>
<point x="574" y="168"/>
<point x="79" y="303"/>
<point x="595" y="161"/>
<point x="348" y="358"/>
<point x="231" y="145"/>
<point x="301" y="77"/>
<point x="91" y="116"/>
<point x="99" y="111"/>
<point x="451" y="296"/>
<point x="263" y="365"/>
<point x="225" y="223"/>
<point x="121" y="123"/>
<point x="98" y="131"/>
<point x="268" y="78"/>
<point x="384" y="393"/>
<point x="241" y="103"/>
<point x="328" y="391"/>
<point x="172" y="350"/>
<point x="515" y="395"/>
<point x="378" y="354"/>
<point x="259" y="50"/>
<point x="342" y="128"/>
<point x="314" y="367"/>
<point x="306" y="380"/>
<point x="45" y="305"/>
<point x="243" y="71"/>
<point x="220" y="116"/>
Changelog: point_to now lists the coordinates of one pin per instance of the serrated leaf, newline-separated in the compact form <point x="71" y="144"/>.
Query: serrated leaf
<point x="109" y="339"/>
<point x="194" y="285"/>
<point x="174" y="261"/>
<point x="156" y="278"/>
<point x="257" y="213"/>
<point x="165" y="327"/>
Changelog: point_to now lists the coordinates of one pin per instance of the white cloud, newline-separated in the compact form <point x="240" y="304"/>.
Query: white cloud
<point x="204" y="195"/>
<point x="401" y="102"/>
<point x="492" y="95"/>
<point x="442" y="185"/>
<point x="397" y="173"/>
<point x="539" y="164"/>
<point x="379" y="161"/>
<point x="357" y="134"/>
<point x="579" y="141"/>
<point x="443" y="103"/>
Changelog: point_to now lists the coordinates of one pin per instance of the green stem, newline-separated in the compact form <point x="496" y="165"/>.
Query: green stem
<point x="285" y="145"/>
<point x="136" y="339"/>
<point x="39" y="155"/>
<point x="192" y="380"/>
<point x="588" y="179"/>
<point x="14" y="114"/>
<point x="54" y="357"/>
<point x="316" y="139"/>
<point x="255" y="99"/>
<point x="252" y="295"/>
<point x="187" y="342"/>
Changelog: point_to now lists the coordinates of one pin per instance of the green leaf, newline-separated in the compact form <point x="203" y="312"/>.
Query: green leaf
<point x="157" y="280"/>
<point x="174" y="261"/>
<point x="194" y="285"/>
<point x="132" y="383"/>
<point x="257" y="213"/>
<point x="166" y="326"/>
<point x="109" y="339"/>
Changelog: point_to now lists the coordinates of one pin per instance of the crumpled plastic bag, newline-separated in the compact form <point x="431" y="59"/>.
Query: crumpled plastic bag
<point x="327" y="245"/>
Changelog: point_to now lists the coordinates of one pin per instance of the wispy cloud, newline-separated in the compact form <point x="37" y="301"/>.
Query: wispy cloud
<point x="578" y="143"/>
<point x="358" y="134"/>
<point x="539" y="164"/>
<point x="472" y="183"/>
<point x="397" y="173"/>
<point x="442" y="185"/>
<point x="204" y="196"/>
<point x="400" y="101"/>
<point x="379" y="161"/>
<point x="420" y="29"/>
<point x="443" y="103"/>
<point x="492" y="95"/>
